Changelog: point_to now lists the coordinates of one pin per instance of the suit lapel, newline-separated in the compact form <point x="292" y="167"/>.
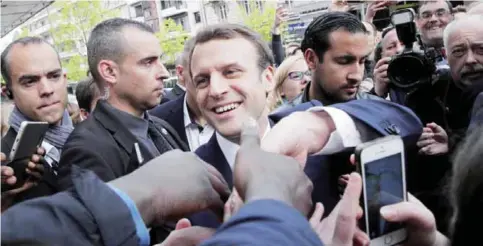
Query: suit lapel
<point x="121" y="135"/>
<point x="212" y="154"/>
<point x="177" y="119"/>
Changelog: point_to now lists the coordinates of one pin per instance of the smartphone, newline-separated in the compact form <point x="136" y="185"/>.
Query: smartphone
<point x="382" y="168"/>
<point x="29" y="138"/>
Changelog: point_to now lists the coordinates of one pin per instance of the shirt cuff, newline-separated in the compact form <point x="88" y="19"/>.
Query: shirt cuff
<point x="345" y="135"/>
<point x="141" y="230"/>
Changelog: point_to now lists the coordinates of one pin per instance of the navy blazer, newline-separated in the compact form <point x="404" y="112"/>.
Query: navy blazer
<point x="172" y="112"/>
<point x="265" y="222"/>
<point x="373" y="119"/>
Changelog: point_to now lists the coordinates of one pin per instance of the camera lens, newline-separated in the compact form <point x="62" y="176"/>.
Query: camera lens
<point x="407" y="70"/>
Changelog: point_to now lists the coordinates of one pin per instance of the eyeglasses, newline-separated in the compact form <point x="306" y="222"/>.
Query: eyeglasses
<point x="298" y="75"/>
<point x="439" y="13"/>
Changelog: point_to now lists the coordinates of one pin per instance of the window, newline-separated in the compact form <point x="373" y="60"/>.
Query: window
<point x="138" y="10"/>
<point x="182" y="19"/>
<point x="178" y="4"/>
<point x="197" y="17"/>
<point x="222" y="12"/>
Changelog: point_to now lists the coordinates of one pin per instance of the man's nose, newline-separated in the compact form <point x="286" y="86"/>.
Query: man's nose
<point x="218" y="86"/>
<point x="45" y="87"/>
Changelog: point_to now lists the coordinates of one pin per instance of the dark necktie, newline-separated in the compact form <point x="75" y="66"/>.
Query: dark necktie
<point x="158" y="139"/>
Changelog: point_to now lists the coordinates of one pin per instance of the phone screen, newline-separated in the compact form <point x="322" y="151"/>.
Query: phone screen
<point x="384" y="186"/>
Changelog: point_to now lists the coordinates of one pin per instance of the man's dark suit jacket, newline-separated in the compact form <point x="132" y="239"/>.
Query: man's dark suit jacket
<point x="174" y="93"/>
<point x="373" y="118"/>
<point x="477" y="113"/>
<point x="104" y="145"/>
<point x="91" y="213"/>
<point x="47" y="186"/>
<point x="172" y="112"/>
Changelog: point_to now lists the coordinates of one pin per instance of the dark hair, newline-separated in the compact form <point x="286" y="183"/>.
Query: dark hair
<point x="422" y="3"/>
<point x="106" y="42"/>
<point x="231" y="31"/>
<point x="318" y="32"/>
<point x="85" y="93"/>
<point x="467" y="189"/>
<point x="378" y="52"/>
<point x="23" y="41"/>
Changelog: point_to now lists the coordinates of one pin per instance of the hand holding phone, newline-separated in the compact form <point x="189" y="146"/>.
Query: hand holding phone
<point x="381" y="164"/>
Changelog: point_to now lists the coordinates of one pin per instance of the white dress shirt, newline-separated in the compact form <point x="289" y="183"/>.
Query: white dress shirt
<point x="345" y="135"/>
<point x="195" y="137"/>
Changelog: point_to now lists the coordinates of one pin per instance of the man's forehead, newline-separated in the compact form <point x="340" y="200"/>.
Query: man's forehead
<point x="344" y="41"/>
<point x="433" y="5"/>
<point x="466" y="31"/>
<point x="204" y="56"/>
<point x="33" y="58"/>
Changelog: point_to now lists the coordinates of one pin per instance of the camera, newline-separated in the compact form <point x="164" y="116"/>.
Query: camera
<point x="414" y="67"/>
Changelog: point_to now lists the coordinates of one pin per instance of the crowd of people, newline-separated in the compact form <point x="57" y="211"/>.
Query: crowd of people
<point x="254" y="144"/>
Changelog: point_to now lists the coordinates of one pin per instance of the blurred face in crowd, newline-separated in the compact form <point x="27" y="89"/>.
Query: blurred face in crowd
<point x="432" y="19"/>
<point x="391" y="45"/>
<point x="465" y="51"/>
<point x="137" y="84"/>
<point x="39" y="86"/>
<point x="229" y="84"/>
<point x="297" y="78"/>
<point x="337" y="75"/>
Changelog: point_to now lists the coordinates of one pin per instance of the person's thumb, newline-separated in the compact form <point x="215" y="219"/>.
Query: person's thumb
<point x="182" y="224"/>
<point x="411" y="213"/>
<point x="250" y="134"/>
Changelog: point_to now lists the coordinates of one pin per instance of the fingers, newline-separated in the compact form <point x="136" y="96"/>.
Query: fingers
<point x="411" y="213"/>
<point x="40" y="151"/>
<point x="250" y="134"/>
<point x="10" y="180"/>
<point x="218" y="183"/>
<point x="361" y="238"/>
<point x="3" y="157"/>
<point x="425" y="143"/>
<point x="7" y="171"/>
<point x="352" y="159"/>
<point x="347" y="212"/>
<point x="317" y="215"/>
<point x="182" y="224"/>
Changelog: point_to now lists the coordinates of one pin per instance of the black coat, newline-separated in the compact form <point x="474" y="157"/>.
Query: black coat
<point x="104" y="145"/>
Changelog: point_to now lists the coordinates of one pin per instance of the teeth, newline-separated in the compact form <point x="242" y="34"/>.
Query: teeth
<point x="226" y="108"/>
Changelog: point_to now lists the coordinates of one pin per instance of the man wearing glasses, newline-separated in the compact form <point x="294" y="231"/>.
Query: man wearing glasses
<point x="433" y="17"/>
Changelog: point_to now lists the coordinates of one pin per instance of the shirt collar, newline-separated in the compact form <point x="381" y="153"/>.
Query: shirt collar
<point x="138" y="126"/>
<point x="230" y="149"/>
<point x="186" y="113"/>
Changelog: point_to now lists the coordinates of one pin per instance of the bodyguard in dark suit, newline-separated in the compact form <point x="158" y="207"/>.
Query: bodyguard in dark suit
<point x="228" y="94"/>
<point x="34" y="80"/>
<point x="120" y="135"/>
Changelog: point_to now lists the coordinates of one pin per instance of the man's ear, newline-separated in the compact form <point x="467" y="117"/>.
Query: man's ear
<point x="311" y="59"/>
<point x="109" y="71"/>
<point x="267" y="78"/>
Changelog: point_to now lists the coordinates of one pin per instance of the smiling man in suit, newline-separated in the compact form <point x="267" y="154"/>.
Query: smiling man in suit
<point x="231" y="71"/>
<point x="183" y="113"/>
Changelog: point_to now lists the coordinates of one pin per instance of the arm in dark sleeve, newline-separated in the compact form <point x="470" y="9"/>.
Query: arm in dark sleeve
<point x="84" y="157"/>
<point x="90" y="213"/>
<point x="277" y="49"/>
<point x="377" y="118"/>
<point x="266" y="222"/>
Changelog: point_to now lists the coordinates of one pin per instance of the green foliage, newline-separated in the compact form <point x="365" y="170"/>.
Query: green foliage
<point x="70" y="29"/>
<point x="24" y="32"/>
<point x="171" y="37"/>
<point x="260" y="18"/>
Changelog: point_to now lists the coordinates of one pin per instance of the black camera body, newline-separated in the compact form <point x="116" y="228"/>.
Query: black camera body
<point x="414" y="67"/>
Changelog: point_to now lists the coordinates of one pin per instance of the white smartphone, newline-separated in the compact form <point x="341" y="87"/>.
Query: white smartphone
<point x="29" y="138"/>
<point x="382" y="167"/>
